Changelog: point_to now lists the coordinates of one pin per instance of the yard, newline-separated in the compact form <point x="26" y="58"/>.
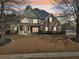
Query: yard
<point x="38" y="43"/>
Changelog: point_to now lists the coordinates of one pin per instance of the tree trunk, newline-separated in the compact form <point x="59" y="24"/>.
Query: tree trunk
<point x="77" y="35"/>
<point x="77" y="20"/>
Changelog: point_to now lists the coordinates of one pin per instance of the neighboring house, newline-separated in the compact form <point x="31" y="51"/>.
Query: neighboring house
<point x="38" y="21"/>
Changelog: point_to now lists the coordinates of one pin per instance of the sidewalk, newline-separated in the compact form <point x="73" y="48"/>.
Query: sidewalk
<point x="41" y="55"/>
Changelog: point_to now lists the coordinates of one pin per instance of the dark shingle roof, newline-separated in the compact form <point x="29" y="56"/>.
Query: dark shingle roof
<point x="35" y="13"/>
<point x="43" y="14"/>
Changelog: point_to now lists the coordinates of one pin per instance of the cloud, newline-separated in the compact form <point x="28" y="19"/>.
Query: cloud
<point x="41" y="4"/>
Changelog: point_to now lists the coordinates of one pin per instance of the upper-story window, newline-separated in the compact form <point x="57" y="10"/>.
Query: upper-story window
<point x="35" y="20"/>
<point x="50" y="19"/>
<point x="25" y="20"/>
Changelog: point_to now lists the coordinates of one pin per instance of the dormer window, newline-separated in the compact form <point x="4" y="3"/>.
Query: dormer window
<point x="35" y="20"/>
<point x="50" y="19"/>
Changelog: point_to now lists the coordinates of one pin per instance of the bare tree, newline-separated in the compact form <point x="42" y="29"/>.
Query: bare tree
<point x="5" y="5"/>
<point x="76" y="11"/>
<point x="73" y="7"/>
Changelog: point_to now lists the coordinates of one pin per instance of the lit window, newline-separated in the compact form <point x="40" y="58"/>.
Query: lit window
<point x="35" y="21"/>
<point x="35" y="29"/>
<point x="46" y="28"/>
<point x="50" y="19"/>
<point x="24" y="20"/>
<point x="54" y="28"/>
<point x="15" y="28"/>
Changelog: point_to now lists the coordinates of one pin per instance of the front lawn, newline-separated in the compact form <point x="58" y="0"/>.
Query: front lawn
<point x="39" y="43"/>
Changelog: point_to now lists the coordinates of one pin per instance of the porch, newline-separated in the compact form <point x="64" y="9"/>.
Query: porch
<point x="26" y="29"/>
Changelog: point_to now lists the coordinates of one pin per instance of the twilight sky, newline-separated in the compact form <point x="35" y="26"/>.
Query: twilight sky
<point x="48" y="5"/>
<point x="41" y="4"/>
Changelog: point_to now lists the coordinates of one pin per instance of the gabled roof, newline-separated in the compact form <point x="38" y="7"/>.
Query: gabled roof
<point x="35" y="13"/>
<point x="29" y="12"/>
<point x="42" y="13"/>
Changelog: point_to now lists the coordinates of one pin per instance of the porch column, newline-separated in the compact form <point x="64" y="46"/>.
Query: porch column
<point x="18" y="29"/>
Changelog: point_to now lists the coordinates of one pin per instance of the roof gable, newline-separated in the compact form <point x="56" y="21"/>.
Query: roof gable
<point x="29" y="12"/>
<point x="35" y="13"/>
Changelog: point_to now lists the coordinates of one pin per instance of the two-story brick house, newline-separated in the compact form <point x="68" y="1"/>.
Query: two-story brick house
<point x="36" y="21"/>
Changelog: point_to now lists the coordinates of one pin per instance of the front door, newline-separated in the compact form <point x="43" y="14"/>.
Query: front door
<point x="25" y="29"/>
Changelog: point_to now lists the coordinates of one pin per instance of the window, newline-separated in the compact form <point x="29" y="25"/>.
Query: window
<point x="24" y="20"/>
<point x="54" y="28"/>
<point x="13" y="27"/>
<point x="35" y="29"/>
<point x="46" y="28"/>
<point x="35" y="20"/>
<point x="50" y="19"/>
